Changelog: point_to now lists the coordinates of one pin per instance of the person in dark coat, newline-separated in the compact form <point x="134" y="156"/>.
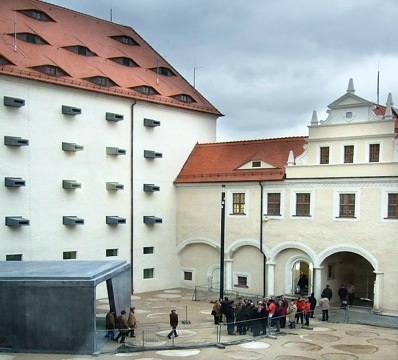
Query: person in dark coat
<point x="173" y="323"/>
<point x="327" y="291"/>
<point x="110" y="324"/>
<point x="312" y="301"/>
<point x="123" y="327"/>
<point x="241" y="320"/>
<point x="343" y="292"/>
<point x="230" y="316"/>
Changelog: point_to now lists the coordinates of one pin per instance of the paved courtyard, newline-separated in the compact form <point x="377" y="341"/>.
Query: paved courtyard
<point x="329" y="341"/>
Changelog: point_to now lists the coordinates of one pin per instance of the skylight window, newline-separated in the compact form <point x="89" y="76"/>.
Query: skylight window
<point x="101" y="81"/>
<point x="146" y="90"/>
<point x="51" y="70"/>
<point x="163" y="71"/>
<point x="184" y="98"/>
<point x="30" y="38"/>
<point x="36" y="14"/>
<point x="80" y="50"/>
<point x="124" y="39"/>
<point x="125" y="61"/>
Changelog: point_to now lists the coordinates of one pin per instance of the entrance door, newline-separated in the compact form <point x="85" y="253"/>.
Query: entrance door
<point x="302" y="278"/>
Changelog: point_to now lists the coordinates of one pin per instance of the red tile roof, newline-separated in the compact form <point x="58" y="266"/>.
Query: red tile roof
<point x="220" y="162"/>
<point x="71" y="28"/>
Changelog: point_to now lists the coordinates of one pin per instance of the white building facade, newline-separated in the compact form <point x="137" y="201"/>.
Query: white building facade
<point x="333" y="217"/>
<point x="94" y="132"/>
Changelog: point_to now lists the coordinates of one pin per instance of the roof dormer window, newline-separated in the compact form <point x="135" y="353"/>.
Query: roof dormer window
<point x="256" y="164"/>
<point x="80" y="50"/>
<point x="4" y="61"/>
<point x="51" y="70"/>
<point x="30" y="38"/>
<point x="125" y="61"/>
<point x="36" y="14"/>
<point x="145" y="90"/>
<point x="101" y="81"/>
<point x="163" y="71"/>
<point x="124" y="39"/>
<point x="184" y="98"/>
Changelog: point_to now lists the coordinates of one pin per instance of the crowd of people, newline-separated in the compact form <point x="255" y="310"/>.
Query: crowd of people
<point x="245" y="315"/>
<point x="274" y="312"/>
<point x="125" y="326"/>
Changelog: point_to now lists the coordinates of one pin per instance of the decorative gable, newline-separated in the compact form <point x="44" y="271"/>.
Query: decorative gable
<point x="350" y="108"/>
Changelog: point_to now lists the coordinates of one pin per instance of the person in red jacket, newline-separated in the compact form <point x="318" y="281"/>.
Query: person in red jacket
<point x="300" y="308"/>
<point x="307" y="311"/>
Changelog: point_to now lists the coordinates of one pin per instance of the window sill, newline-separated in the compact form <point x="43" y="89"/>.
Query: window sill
<point x="346" y="217"/>
<point x="241" y="286"/>
<point x="302" y="216"/>
<point x="243" y="214"/>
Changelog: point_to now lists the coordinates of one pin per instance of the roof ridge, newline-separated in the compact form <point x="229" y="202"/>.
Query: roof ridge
<point x="232" y="142"/>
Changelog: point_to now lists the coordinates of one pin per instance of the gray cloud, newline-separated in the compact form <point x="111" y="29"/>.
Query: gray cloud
<point x="267" y="65"/>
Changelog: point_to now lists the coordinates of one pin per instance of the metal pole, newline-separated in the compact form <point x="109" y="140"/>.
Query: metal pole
<point x="222" y="242"/>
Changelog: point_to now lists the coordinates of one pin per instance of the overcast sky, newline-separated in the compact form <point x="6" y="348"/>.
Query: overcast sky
<point x="267" y="64"/>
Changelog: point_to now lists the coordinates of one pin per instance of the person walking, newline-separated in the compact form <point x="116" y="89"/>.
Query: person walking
<point x="351" y="293"/>
<point x="122" y="326"/>
<point x="132" y="322"/>
<point x="110" y="324"/>
<point x="173" y="323"/>
<point x="325" y="305"/>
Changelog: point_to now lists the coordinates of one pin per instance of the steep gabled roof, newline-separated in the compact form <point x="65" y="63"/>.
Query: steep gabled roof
<point x="65" y="29"/>
<point x="232" y="161"/>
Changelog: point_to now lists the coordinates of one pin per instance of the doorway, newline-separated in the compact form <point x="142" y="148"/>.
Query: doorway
<point x="302" y="278"/>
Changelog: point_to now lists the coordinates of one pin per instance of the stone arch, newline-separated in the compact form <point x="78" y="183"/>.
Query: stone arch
<point x="288" y="276"/>
<point x="294" y="245"/>
<point x="197" y="240"/>
<point x="244" y="242"/>
<point x="349" y="248"/>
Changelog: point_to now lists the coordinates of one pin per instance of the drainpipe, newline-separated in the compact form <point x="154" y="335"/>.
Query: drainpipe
<point x="261" y="234"/>
<point x="132" y="196"/>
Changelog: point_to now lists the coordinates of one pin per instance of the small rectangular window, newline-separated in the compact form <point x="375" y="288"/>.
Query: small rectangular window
<point x="238" y="203"/>
<point x="324" y="155"/>
<point x="303" y="204"/>
<point x="374" y="152"/>
<point x="148" y="250"/>
<point x="256" y="163"/>
<point x="188" y="275"/>
<point x="392" y="206"/>
<point x="347" y="206"/>
<point x="148" y="273"/>
<point x="348" y="154"/>
<point x="69" y="255"/>
<point x="273" y="204"/>
<point x="331" y="270"/>
<point x="111" y="252"/>
<point x="242" y="281"/>
<point x="14" y="257"/>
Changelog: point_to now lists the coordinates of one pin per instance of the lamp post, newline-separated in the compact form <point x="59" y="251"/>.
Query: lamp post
<point x="222" y="242"/>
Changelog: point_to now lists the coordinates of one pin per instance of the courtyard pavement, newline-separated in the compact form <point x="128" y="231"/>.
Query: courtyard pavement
<point x="365" y="336"/>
